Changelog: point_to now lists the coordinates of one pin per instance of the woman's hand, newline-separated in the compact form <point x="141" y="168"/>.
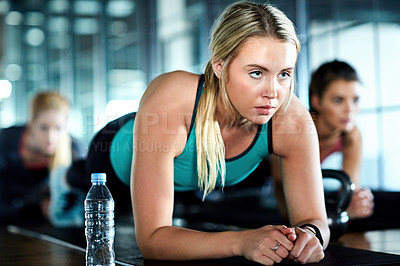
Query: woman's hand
<point x="268" y="245"/>
<point x="307" y="248"/>
<point x="362" y="204"/>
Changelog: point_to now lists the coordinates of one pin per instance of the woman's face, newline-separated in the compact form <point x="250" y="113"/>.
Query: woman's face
<point x="338" y="106"/>
<point x="46" y="130"/>
<point x="260" y="76"/>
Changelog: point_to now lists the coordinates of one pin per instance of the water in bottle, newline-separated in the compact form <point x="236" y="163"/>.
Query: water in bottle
<point x="99" y="223"/>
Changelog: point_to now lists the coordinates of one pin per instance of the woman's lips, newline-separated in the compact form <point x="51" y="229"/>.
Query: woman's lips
<point x="346" y="121"/>
<point x="265" y="110"/>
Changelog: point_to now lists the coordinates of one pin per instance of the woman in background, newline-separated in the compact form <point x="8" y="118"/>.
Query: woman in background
<point x="29" y="154"/>
<point x="334" y="96"/>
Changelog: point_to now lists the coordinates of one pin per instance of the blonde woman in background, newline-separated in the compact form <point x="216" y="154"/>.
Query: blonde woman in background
<point x="29" y="154"/>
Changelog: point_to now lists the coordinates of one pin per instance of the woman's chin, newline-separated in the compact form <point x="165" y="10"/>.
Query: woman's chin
<point x="260" y="120"/>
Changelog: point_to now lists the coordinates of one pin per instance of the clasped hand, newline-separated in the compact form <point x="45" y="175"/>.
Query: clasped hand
<point x="362" y="204"/>
<point x="270" y="244"/>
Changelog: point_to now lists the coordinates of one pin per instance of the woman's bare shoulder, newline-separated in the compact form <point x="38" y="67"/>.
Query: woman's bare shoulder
<point x="292" y="127"/>
<point x="166" y="108"/>
<point x="175" y="90"/>
<point x="294" y="118"/>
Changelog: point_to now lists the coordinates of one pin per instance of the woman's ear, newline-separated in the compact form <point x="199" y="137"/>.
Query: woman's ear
<point x="217" y="67"/>
<point x="316" y="102"/>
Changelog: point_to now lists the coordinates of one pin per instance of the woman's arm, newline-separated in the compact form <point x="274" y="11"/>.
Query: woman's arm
<point x="275" y="165"/>
<point x="152" y="188"/>
<point x="295" y="140"/>
<point x="362" y="202"/>
<point x="352" y="153"/>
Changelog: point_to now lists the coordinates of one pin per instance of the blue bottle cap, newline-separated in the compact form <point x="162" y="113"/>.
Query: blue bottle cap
<point x="99" y="178"/>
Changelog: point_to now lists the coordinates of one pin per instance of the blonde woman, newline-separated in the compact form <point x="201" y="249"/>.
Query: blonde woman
<point x="29" y="153"/>
<point x="209" y="131"/>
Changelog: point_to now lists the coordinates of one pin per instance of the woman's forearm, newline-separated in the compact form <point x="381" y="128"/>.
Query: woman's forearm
<point x="175" y="243"/>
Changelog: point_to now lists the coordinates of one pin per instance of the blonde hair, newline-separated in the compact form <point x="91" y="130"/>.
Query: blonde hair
<point x="52" y="100"/>
<point x="239" y="22"/>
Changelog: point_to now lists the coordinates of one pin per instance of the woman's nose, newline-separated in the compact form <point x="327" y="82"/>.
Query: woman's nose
<point x="350" y="106"/>
<point x="52" y="136"/>
<point x="269" y="90"/>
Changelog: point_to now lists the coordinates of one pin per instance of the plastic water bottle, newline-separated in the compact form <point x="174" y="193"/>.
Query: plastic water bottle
<point x="99" y="223"/>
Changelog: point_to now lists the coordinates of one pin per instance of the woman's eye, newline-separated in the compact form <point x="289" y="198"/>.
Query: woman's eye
<point x="256" y="74"/>
<point x="44" y="128"/>
<point x="356" y="100"/>
<point x="284" y="75"/>
<point x="337" y="100"/>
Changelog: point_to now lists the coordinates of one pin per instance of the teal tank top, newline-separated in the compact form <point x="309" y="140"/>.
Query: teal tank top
<point x="185" y="165"/>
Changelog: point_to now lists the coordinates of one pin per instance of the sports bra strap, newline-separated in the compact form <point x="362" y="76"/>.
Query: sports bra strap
<point x="198" y="95"/>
